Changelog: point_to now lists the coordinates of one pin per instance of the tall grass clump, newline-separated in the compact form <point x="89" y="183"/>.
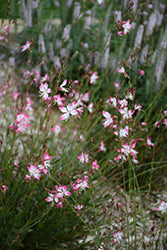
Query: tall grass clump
<point x="83" y="126"/>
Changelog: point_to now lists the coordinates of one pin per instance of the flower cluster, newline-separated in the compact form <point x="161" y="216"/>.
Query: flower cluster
<point x="81" y="184"/>
<point x="68" y="111"/>
<point x="162" y="121"/>
<point x="44" y="91"/>
<point x="123" y="126"/>
<point x="22" y="122"/>
<point x="126" y="27"/>
<point x="83" y="158"/>
<point x="127" y="150"/>
<point x="35" y="170"/>
<point x="79" y="208"/>
<point x="117" y="236"/>
<point x="58" y="195"/>
<point x="4" y="32"/>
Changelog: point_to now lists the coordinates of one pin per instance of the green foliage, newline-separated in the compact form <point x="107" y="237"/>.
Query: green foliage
<point x="9" y="9"/>
<point x="122" y="193"/>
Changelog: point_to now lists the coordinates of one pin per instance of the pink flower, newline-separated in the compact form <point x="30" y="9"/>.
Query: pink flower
<point x="122" y="70"/>
<point x="43" y="167"/>
<point x="29" y="103"/>
<point x="113" y="101"/>
<point x="2" y="37"/>
<point x="117" y="236"/>
<point x="119" y="204"/>
<point x="27" y="74"/>
<point x="78" y="98"/>
<point x="12" y="128"/>
<point x="141" y="72"/>
<point x="126" y="114"/>
<point x="16" y="163"/>
<point x="56" y="129"/>
<point x="101" y="247"/>
<point x="93" y="78"/>
<point x="137" y="107"/>
<point x="85" y="97"/>
<point x="60" y="204"/>
<point x="70" y="110"/>
<point x="15" y="95"/>
<point x="79" y="207"/>
<point x="95" y="166"/>
<point x="127" y="150"/>
<point x="90" y="107"/>
<point x="37" y="75"/>
<point x="123" y="132"/>
<point x="34" y="171"/>
<point x="119" y="157"/>
<point x="80" y="110"/>
<point x="59" y="100"/>
<point x="100" y="1"/>
<point x="46" y="158"/>
<point x="83" y="158"/>
<point x="165" y="122"/>
<point x="26" y="46"/>
<point x="53" y="199"/>
<point x="141" y="126"/>
<point x="123" y="103"/>
<point x="130" y="96"/>
<point x="4" y="188"/>
<point x="162" y="207"/>
<point x="62" y="191"/>
<point x="27" y="177"/>
<point x="120" y="33"/>
<point x="81" y="184"/>
<point x="44" y="91"/>
<point x="117" y="85"/>
<point x="157" y="124"/>
<point x="6" y="28"/>
<point x="22" y="122"/>
<point x="45" y="78"/>
<point x="62" y="86"/>
<point x="149" y="143"/>
<point x="108" y="119"/>
<point x="127" y="26"/>
<point x="101" y="147"/>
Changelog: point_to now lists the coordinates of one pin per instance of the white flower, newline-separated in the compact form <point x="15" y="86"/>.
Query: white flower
<point x="126" y="114"/>
<point x="44" y="90"/>
<point x="90" y="107"/>
<point x="34" y="171"/>
<point x="26" y="46"/>
<point x="162" y="207"/>
<point x="62" y="86"/>
<point x="127" y="26"/>
<point x="56" y="129"/>
<point x="108" y="119"/>
<point x="117" y="236"/>
<point x="149" y="143"/>
<point x="124" y="132"/>
<point x="70" y="110"/>
<point x="93" y="78"/>
<point x="100" y="1"/>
